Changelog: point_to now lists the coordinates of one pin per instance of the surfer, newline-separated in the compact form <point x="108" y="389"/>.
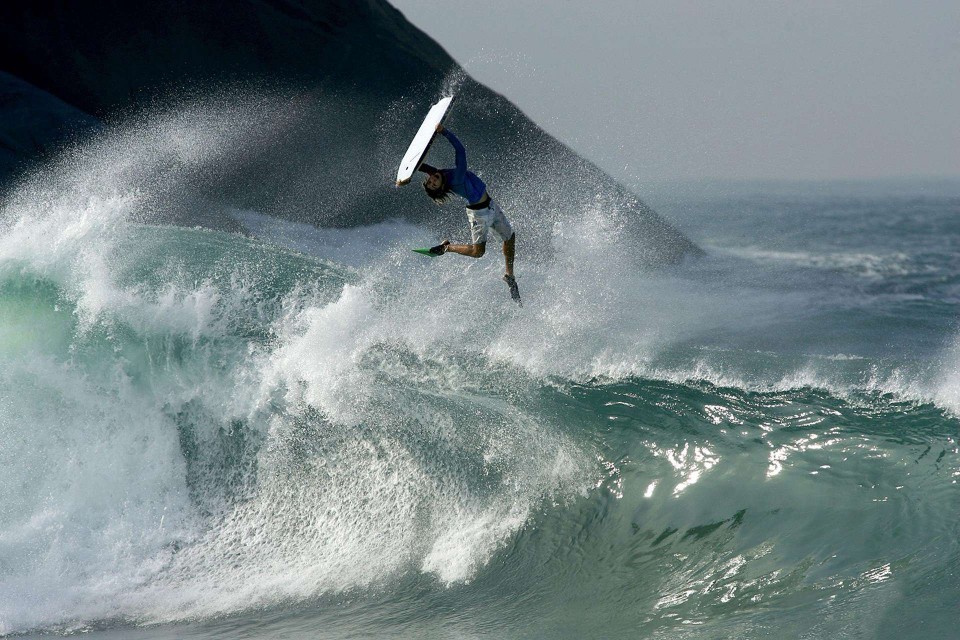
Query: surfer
<point x="482" y="212"/>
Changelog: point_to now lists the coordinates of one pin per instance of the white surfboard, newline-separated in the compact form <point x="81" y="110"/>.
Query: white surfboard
<point x="421" y="142"/>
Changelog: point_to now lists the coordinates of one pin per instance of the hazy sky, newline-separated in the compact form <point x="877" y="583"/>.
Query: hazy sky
<point x="734" y="89"/>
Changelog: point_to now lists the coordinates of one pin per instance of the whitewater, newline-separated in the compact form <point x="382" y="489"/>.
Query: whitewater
<point x="314" y="432"/>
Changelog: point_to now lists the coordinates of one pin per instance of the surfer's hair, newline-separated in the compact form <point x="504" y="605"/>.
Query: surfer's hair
<point x="440" y="195"/>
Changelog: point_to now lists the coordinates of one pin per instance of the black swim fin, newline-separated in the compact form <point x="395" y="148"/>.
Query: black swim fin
<point x="514" y="289"/>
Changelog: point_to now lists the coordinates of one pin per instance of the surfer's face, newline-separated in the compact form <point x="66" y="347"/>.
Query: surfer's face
<point x="435" y="181"/>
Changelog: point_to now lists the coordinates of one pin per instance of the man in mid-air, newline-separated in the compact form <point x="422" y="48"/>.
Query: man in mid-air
<point x="482" y="212"/>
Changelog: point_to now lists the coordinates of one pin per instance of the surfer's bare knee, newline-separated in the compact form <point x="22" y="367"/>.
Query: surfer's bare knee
<point x="477" y="250"/>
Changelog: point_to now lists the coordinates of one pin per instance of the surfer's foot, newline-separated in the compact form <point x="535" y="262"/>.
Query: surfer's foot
<point x="440" y="249"/>
<point x="514" y="290"/>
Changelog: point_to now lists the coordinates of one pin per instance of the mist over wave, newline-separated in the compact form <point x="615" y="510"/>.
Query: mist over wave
<point x="199" y="424"/>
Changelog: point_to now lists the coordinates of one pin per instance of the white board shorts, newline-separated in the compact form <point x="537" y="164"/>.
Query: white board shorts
<point x="482" y="220"/>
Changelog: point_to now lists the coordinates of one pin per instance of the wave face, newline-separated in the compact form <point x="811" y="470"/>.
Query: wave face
<point x="316" y="432"/>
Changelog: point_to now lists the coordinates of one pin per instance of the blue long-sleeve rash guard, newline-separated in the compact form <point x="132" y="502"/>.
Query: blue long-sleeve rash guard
<point x="464" y="183"/>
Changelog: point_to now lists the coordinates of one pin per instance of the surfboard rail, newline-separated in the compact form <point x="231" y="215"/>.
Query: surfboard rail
<point x="420" y="145"/>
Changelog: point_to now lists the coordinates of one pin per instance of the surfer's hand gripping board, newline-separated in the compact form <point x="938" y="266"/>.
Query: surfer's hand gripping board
<point x="421" y="142"/>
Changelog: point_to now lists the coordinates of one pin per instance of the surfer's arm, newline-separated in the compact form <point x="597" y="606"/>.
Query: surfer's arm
<point x="460" y="172"/>
<point x="427" y="169"/>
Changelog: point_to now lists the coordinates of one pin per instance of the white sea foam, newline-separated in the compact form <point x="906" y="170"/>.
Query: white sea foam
<point x="866" y="265"/>
<point x="588" y="316"/>
<point x="946" y="392"/>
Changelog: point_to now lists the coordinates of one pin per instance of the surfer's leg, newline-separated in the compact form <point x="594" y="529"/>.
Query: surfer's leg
<point x="478" y="234"/>
<point x="469" y="250"/>
<point x="501" y="226"/>
<point x="509" y="250"/>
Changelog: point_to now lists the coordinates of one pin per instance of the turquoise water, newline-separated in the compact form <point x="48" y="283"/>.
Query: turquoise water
<point x="311" y="432"/>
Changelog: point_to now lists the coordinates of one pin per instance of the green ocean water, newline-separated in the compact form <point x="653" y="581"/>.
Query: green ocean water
<point x="306" y="432"/>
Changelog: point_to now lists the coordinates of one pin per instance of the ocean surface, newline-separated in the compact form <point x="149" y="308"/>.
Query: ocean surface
<point x="316" y="433"/>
